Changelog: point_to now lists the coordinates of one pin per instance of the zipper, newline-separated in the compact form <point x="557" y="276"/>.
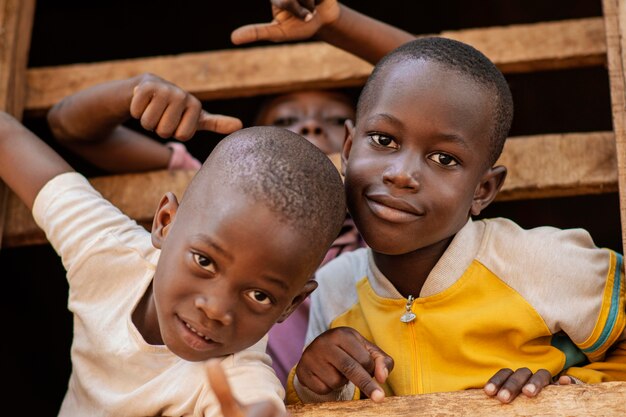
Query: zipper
<point x="409" y="318"/>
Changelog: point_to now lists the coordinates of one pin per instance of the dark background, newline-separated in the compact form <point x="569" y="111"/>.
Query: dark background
<point x="37" y="327"/>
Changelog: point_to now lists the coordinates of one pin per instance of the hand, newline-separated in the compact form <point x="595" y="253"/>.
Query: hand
<point x="505" y="385"/>
<point x="340" y="355"/>
<point x="228" y="403"/>
<point x="293" y="20"/>
<point x="173" y="112"/>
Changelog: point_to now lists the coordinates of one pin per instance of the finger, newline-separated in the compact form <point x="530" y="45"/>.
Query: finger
<point x="168" y="123"/>
<point x="188" y="123"/>
<point x="513" y="385"/>
<point x="565" y="380"/>
<point x="360" y="377"/>
<point x="139" y="102"/>
<point x="496" y="381"/>
<point x="257" y="32"/>
<point x="217" y="378"/>
<point x="152" y="114"/>
<point x="535" y="384"/>
<point x="218" y="123"/>
<point x="303" y="9"/>
<point x="383" y="363"/>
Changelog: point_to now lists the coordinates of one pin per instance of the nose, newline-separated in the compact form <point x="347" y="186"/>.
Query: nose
<point x="215" y="308"/>
<point x="311" y="127"/>
<point x="403" y="173"/>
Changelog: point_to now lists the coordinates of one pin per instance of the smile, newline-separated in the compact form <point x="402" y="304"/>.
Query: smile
<point x="194" y="338"/>
<point x="392" y="209"/>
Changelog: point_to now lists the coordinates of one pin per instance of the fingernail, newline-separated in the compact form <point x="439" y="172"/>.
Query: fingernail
<point x="504" y="395"/>
<point x="530" y="388"/>
<point x="377" y="396"/>
<point x="386" y="373"/>
<point x="308" y="17"/>
<point x="490" y="388"/>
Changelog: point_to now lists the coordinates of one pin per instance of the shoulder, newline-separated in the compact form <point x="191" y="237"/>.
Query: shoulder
<point x="343" y="270"/>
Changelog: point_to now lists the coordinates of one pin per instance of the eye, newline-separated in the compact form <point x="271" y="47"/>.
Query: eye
<point x="204" y="262"/>
<point x="336" y="121"/>
<point x="443" y="159"/>
<point x="384" y="141"/>
<point x="259" y="296"/>
<point x="285" y="121"/>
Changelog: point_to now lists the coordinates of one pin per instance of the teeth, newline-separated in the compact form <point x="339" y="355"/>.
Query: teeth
<point x="197" y="332"/>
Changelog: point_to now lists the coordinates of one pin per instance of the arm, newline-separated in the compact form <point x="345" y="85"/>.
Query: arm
<point x="331" y="22"/>
<point x="90" y="122"/>
<point x="26" y="163"/>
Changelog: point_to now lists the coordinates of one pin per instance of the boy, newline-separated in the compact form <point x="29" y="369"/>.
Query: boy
<point x="90" y="123"/>
<point x="451" y="300"/>
<point x="150" y="309"/>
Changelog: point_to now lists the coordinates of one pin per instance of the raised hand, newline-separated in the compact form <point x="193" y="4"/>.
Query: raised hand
<point x="293" y="20"/>
<point x="229" y="404"/>
<point x="170" y="111"/>
<point x="340" y="355"/>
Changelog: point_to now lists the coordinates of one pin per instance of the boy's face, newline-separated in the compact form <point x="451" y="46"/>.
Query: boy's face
<point x="319" y="116"/>
<point x="228" y="270"/>
<point x="416" y="158"/>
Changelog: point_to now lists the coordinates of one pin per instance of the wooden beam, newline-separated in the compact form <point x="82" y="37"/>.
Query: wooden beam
<point x="606" y="399"/>
<point x="539" y="166"/>
<point x="615" y="24"/>
<point x="275" y="69"/>
<point x="16" y="21"/>
<point x="559" y="165"/>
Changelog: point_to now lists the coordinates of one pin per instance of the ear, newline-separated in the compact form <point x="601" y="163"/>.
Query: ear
<point x="308" y="288"/>
<point x="487" y="189"/>
<point x="165" y="214"/>
<point x="347" y="145"/>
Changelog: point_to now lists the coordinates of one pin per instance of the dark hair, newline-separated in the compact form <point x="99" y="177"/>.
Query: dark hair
<point x="284" y="172"/>
<point x="464" y="59"/>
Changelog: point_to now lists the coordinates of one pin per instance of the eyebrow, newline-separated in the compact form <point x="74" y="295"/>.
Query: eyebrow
<point x="451" y="137"/>
<point x="208" y="241"/>
<point x="279" y="282"/>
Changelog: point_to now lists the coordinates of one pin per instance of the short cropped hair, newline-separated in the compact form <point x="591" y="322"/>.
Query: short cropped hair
<point x="467" y="61"/>
<point x="283" y="171"/>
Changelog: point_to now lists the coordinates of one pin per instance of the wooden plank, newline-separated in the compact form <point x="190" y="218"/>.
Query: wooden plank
<point x="615" y="22"/>
<point x="275" y="69"/>
<point x="606" y="399"/>
<point x="559" y="165"/>
<point x="16" y="20"/>
<point x="539" y="166"/>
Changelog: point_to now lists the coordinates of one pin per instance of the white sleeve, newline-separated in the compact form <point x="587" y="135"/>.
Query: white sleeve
<point x="75" y="216"/>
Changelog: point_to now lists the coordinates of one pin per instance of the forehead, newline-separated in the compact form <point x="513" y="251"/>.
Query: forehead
<point x="429" y="94"/>
<point x="315" y="99"/>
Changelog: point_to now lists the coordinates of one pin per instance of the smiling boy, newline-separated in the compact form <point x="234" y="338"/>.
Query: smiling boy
<point x="219" y="268"/>
<point x="453" y="301"/>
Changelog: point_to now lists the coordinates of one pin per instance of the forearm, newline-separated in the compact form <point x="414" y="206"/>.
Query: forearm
<point x="93" y="113"/>
<point x="89" y="123"/>
<point x="26" y="163"/>
<point x="362" y="35"/>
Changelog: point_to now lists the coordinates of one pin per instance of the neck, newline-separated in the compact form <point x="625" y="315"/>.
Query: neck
<point x="408" y="272"/>
<point x="146" y="320"/>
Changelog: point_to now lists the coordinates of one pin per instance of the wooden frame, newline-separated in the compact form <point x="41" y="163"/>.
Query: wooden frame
<point x="16" y="21"/>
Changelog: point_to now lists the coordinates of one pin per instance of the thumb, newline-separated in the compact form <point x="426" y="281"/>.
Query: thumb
<point x="383" y="363"/>
<point x="217" y="378"/>
<point x="218" y="123"/>
<point x="257" y="32"/>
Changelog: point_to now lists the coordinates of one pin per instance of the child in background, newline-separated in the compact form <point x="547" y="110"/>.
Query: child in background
<point x="453" y="301"/>
<point x="89" y="123"/>
<point x="152" y="309"/>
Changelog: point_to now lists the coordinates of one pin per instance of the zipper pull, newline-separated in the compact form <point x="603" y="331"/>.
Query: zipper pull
<point x="408" y="315"/>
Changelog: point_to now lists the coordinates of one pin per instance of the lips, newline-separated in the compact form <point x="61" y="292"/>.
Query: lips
<point x="392" y="209"/>
<point x="195" y="338"/>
